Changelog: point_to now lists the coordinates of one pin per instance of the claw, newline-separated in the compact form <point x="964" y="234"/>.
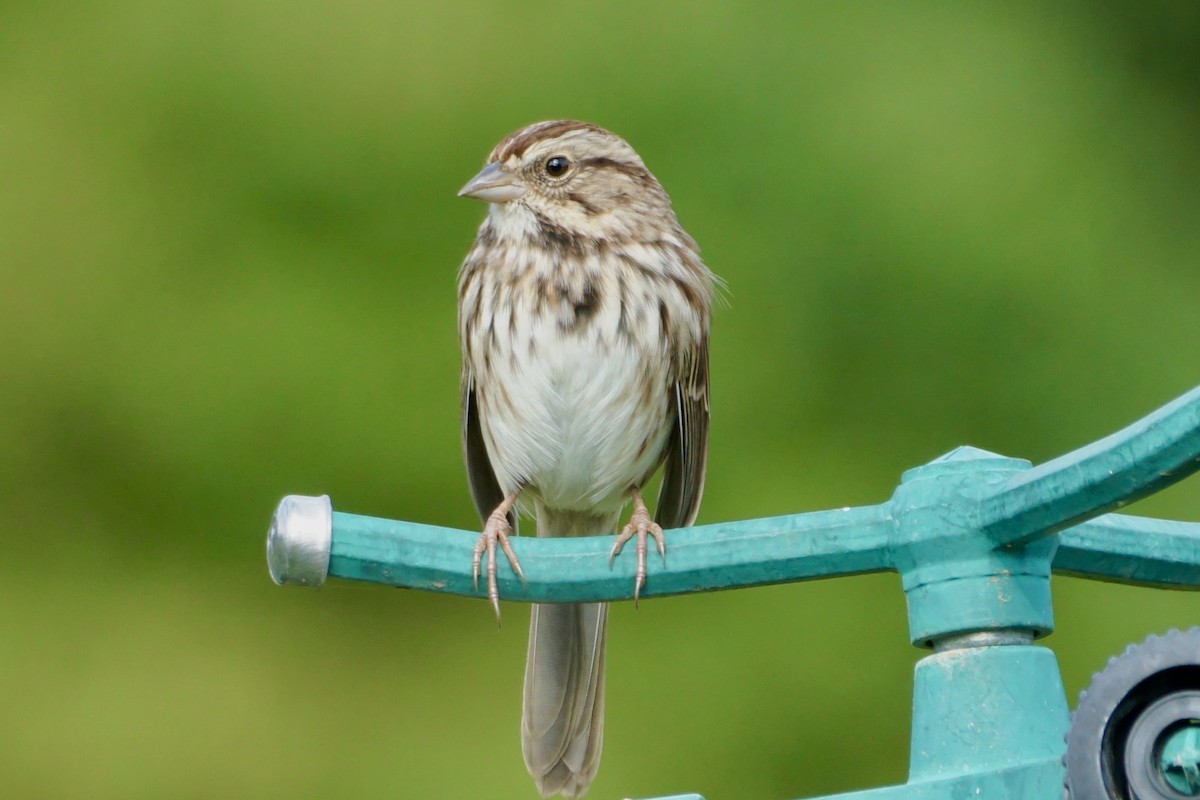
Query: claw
<point x="657" y="533"/>
<point x="495" y="530"/>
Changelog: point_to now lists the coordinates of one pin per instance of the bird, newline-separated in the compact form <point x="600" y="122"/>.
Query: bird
<point x="583" y="319"/>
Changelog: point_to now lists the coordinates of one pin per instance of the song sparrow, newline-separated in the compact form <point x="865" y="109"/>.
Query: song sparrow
<point x="583" y="315"/>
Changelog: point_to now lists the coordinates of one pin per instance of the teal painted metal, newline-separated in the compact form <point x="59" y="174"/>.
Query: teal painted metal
<point x="703" y="558"/>
<point x="972" y="535"/>
<point x="956" y="729"/>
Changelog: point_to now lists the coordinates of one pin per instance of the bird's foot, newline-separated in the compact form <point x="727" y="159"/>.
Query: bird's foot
<point x="642" y="527"/>
<point x="495" y="531"/>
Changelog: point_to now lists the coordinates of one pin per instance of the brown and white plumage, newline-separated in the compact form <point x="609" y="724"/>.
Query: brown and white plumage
<point x="583" y="318"/>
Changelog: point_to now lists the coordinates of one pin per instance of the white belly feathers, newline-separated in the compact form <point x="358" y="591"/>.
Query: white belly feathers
<point x="560" y="425"/>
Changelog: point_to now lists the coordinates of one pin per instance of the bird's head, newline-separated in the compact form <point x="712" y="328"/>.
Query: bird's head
<point x="573" y="174"/>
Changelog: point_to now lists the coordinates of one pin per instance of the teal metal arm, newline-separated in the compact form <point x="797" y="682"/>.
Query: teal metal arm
<point x="1145" y="457"/>
<point x="703" y="558"/>
<point x="820" y="544"/>
<point x="1134" y="550"/>
<point x="973" y="535"/>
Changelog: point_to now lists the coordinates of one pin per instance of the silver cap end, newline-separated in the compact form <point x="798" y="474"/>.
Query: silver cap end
<point x="298" y="540"/>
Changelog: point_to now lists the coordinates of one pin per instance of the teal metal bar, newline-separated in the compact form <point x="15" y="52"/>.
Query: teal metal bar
<point x="707" y="557"/>
<point x="1145" y="457"/>
<point x="973" y="535"/>
<point x="1135" y="550"/>
<point x="823" y="544"/>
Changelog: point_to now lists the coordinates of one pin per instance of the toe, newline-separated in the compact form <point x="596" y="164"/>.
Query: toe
<point x="624" y="537"/>
<point x="477" y="560"/>
<point x="659" y="540"/>
<point x="511" y="556"/>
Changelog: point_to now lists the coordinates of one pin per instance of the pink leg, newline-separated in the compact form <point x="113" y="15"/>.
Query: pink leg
<point x="496" y="529"/>
<point x="641" y="526"/>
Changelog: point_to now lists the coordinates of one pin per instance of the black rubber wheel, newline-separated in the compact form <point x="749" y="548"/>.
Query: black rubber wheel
<point x="1134" y="705"/>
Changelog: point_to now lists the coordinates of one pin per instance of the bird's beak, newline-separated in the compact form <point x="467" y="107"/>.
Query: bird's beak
<point x="493" y="184"/>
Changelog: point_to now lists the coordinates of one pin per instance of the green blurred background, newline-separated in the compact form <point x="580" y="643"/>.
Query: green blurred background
<point x="229" y="237"/>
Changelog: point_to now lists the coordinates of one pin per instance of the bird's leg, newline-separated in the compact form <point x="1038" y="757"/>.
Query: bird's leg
<point x="641" y="526"/>
<point x="496" y="529"/>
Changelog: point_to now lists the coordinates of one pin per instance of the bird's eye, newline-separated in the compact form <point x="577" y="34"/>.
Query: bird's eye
<point x="557" y="166"/>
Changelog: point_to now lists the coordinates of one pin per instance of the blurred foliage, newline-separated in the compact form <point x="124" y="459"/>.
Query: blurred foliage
<point x="229" y="239"/>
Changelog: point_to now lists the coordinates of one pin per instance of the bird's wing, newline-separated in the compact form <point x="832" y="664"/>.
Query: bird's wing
<point x="687" y="449"/>
<point x="485" y="489"/>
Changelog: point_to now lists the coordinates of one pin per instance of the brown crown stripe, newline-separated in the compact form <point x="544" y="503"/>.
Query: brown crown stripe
<point x="522" y="140"/>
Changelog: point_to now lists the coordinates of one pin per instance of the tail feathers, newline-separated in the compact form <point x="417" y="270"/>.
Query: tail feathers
<point x="562" y="727"/>
<point x="562" y="723"/>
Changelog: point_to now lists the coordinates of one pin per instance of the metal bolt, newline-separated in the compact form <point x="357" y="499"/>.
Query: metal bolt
<point x="1179" y="758"/>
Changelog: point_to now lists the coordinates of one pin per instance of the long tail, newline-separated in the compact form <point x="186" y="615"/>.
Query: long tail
<point x="562" y="722"/>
